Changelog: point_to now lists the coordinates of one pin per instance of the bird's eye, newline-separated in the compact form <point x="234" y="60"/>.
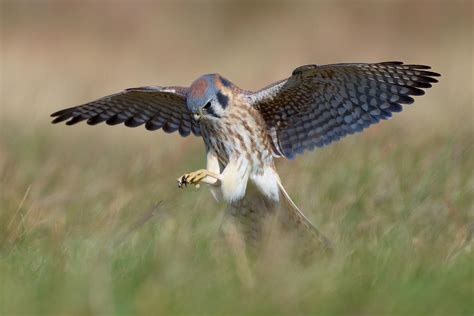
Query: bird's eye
<point x="207" y="106"/>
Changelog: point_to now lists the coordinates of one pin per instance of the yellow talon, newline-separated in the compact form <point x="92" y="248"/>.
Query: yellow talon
<point x="193" y="178"/>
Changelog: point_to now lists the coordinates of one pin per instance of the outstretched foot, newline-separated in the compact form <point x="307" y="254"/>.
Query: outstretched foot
<point x="196" y="177"/>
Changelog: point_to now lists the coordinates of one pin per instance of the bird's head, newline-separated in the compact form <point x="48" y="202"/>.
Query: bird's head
<point x="209" y="96"/>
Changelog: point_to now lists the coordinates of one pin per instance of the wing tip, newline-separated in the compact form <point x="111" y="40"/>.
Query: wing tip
<point x="60" y="112"/>
<point x="58" y="119"/>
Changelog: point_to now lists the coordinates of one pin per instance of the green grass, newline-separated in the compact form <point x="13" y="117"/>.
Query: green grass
<point x="81" y="232"/>
<point x="80" y="229"/>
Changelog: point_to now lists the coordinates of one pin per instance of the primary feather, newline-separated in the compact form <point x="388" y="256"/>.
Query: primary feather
<point x="319" y="105"/>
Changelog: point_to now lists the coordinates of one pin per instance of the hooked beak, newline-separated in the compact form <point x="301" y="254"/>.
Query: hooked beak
<point x="197" y="116"/>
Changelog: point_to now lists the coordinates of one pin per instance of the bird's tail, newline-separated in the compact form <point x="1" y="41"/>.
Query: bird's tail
<point x="299" y="219"/>
<point x="255" y="217"/>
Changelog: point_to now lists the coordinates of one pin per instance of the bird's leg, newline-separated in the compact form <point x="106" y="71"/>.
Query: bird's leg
<point x="210" y="175"/>
<point x="199" y="176"/>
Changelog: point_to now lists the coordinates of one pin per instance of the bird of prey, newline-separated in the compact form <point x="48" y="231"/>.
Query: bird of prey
<point x="244" y="131"/>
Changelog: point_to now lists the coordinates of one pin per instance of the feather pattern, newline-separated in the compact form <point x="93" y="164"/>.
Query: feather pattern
<point x="156" y="107"/>
<point x="243" y="131"/>
<point x="319" y="105"/>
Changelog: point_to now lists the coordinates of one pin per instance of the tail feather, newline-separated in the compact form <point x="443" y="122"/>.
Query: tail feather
<point x="300" y="219"/>
<point x="255" y="216"/>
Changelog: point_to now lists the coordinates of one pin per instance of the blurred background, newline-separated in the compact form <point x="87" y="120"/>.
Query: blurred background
<point x="401" y="192"/>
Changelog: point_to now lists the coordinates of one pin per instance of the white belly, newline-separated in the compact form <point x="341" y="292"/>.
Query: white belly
<point x="235" y="177"/>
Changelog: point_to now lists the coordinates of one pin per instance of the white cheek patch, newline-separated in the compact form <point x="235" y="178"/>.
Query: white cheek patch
<point x="218" y="109"/>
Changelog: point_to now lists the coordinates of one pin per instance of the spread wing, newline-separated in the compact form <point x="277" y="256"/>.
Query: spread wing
<point x="156" y="107"/>
<point x="319" y="105"/>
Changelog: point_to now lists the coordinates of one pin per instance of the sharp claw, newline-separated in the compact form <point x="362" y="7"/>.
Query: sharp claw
<point x="181" y="181"/>
<point x="191" y="178"/>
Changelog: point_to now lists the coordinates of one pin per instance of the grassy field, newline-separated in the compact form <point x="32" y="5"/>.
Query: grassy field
<point x="91" y="219"/>
<point x="399" y="214"/>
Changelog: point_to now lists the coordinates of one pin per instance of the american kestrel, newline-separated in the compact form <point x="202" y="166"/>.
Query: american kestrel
<point x="244" y="131"/>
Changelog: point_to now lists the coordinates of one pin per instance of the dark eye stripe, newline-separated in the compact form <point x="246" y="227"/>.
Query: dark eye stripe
<point x="210" y="110"/>
<point x="223" y="99"/>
